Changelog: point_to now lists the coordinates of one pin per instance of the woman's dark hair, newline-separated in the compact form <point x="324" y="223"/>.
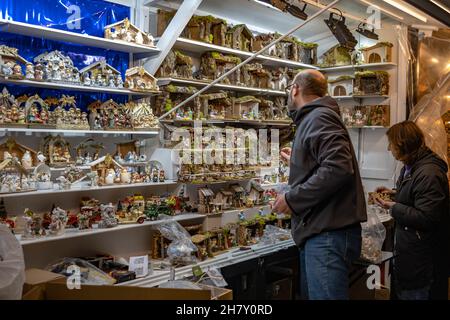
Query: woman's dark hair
<point x="407" y="139"/>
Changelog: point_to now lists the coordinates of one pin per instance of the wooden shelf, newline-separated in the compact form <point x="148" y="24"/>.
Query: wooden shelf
<point x="356" y="67"/>
<point x="70" y="234"/>
<point x="202" y="47"/>
<point x="31" y="30"/>
<point x="220" y="86"/>
<point x="76" y="133"/>
<point x="84" y="187"/>
<point x="74" y="87"/>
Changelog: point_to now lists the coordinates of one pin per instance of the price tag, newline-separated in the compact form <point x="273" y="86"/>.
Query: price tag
<point x="139" y="265"/>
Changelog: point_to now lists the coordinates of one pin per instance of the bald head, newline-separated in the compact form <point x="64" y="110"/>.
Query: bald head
<point x="311" y="83"/>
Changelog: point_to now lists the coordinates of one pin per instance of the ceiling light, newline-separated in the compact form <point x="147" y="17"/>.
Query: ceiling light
<point x="364" y="30"/>
<point x="340" y="31"/>
<point x="390" y="13"/>
<point x="407" y="9"/>
<point x="293" y="9"/>
<point x="440" y="5"/>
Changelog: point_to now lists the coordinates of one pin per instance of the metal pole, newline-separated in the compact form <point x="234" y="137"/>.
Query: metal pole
<point x="249" y="59"/>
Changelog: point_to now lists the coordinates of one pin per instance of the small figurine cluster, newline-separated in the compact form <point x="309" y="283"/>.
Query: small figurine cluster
<point x="219" y="106"/>
<point x="216" y="31"/>
<point x="125" y="31"/>
<point x="361" y="116"/>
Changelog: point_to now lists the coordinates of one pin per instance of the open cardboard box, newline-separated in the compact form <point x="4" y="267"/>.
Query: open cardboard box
<point x="44" y="285"/>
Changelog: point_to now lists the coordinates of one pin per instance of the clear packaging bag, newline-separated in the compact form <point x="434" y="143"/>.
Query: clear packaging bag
<point x="181" y="248"/>
<point x="273" y="234"/>
<point x="373" y="235"/>
<point x="82" y="271"/>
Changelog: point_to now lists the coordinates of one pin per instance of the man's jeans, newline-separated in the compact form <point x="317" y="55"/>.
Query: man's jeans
<point x="325" y="260"/>
<point x="415" y="294"/>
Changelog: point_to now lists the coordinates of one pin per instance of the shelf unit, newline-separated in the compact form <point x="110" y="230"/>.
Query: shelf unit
<point x="356" y="67"/>
<point x="231" y="121"/>
<point x="84" y="187"/>
<point x="26" y="29"/>
<point x="220" y="86"/>
<point x="199" y="47"/>
<point x="77" y="133"/>
<point x="75" y="87"/>
<point x="89" y="232"/>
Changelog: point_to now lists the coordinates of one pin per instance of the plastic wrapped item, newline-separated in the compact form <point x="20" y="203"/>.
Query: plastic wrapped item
<point x="179" y="284"/>
<point x="373" y="235"/>
<point x="12" y="265"/>
<point x="273" y="234"/>
<point x="89" y="274"/>
<point x="181" y="248"/>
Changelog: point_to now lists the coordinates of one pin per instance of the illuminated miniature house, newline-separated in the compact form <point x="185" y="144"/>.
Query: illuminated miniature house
<point x="105" y="167"/>
<point x="215" y="105"/>
<point x="18" y="150"/>
<point x="379" y="116"/>
<point x="125" y="31"/>
<point x="336" y="56"/>
<point x="139" y="79"/>
<point x="57" y="151"/>
<point x="341" y="86"/>
<point x="101" y="74"/>
<point x="66" y="73"/>
<point x="381" y="52"/>
<point x="240" y="37"/>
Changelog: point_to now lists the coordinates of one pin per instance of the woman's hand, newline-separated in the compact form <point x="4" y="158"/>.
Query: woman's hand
<point x="286" y="154"/>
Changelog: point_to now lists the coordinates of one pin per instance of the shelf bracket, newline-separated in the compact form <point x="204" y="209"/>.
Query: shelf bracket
<point x="172" y="32"/>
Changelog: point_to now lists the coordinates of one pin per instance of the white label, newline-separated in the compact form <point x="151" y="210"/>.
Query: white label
<point x="139" y="265"/>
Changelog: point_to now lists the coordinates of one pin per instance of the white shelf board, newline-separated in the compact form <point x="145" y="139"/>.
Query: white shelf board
<point x="81" y="233"/>
<point x="230" y="257"/>
<point x="30" y="30"/>
<point x="76" y="133"/>
<point x="202" y="47"/>
<point x="360" y="97"/>
<point x="224" y="121"/>
<point x="84" y="186"/>
<point x="355" y="67"/>
<point x="261" y="91"/>
<point x="74" y="87"/>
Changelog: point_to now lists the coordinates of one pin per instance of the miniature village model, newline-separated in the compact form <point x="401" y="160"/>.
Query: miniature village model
<point x="139" y="79"/>
<point x="371" y="83"/>
<point x="101" y="74"/>
<point x="380" y="52"/>
<point x="125" y="31"/>
<point x="341" y="86"/>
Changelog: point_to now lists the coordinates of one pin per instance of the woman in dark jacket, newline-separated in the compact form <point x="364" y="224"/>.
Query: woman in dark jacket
<point x="421" y="212"/>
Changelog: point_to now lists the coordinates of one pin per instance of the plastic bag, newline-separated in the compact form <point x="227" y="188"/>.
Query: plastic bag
<point x="373" y="235"/>
<point x="12" y="265"/>
<point x="88" y="273"/>
<point x="273" y="234"/>
<point x="181" y="248"/>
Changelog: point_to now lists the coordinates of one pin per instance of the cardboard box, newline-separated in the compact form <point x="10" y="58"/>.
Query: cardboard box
<point x="50" y="286"/>
<point x="35" y="280"/>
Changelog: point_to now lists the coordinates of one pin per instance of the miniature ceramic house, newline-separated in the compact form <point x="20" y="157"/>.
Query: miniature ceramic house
<point x="109" y="116"/>
<point x="167" y="68"/>
<point x="379" y="116"/>
<point x="183" y="66"/>
<point x="12" y="114"/>
<point x="139" y="79"/>
<point x="262" y="40"/>
<point x="381" y="52"/>
<point x="10" y="62"/>
<point x="101" y="74"/>
<point x="57" y="151"/>
<point x="27" y="156"/>
<point x="37" y="112"/>
<point x="336" y="56"/>
<point x="215" y="105"/>
<point x="256" y="76"/>
<point x="13" y="176"/>
<point x="246" y="107"/>
<point x="240" y="37"/>
<point x="207" y="29"/>
<point x="58" y="67"/>
<point x="106" y="168"/>
<point x="142" y="116"/>
<point x="214" y="64"/>
<point x="125" y="31"/>
<point x="205" y="200"/>
<point x="341" y="86"/>
<point x="371" y="83"/>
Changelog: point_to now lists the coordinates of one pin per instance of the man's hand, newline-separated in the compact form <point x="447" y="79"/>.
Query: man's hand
<point x="286" y="154"/>
<point x="384" y="204"/>
<point x="280" y="205"/>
